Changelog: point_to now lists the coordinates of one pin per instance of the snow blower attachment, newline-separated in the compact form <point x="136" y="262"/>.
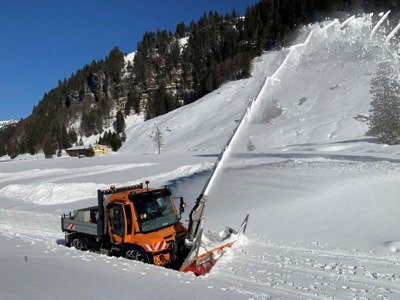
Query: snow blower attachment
<point x="142" y="223"/>
<point x="205" y="250"/>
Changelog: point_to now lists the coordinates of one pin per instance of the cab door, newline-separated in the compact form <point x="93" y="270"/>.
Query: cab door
<point x="116" y="223"/>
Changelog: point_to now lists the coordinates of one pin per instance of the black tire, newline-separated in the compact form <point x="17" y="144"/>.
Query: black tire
<point x="78" y="243"/>
<point x="134" y="254"/>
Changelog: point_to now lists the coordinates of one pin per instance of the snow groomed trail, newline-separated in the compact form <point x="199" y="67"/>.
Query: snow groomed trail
<point x="292" y="272"/>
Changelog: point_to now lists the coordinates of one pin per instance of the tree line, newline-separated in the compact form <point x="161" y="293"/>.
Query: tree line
<point x="220" y="48"/>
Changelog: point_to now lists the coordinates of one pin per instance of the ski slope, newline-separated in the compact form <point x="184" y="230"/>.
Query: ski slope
<point x="322" y="197"/>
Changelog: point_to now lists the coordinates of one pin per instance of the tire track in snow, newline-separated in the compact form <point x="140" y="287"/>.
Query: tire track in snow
<point x="264" y="270"/>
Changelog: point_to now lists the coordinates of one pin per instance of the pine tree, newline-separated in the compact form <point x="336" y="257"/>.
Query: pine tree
<point x="384" y="120"/>
<point x="180" y="30"/>
<point x="65" y="141"/>
<point x="2" y="149"/>
<point x="113" y="64"/>
<point x="73" y="137"/>
<point x="12" y="149"/>
<point x="133" y="102"/>
<point x="31" y="139"/>
<point x="120" y="122"/>
<point x="115" y="142"/>
<point x="49" y="148"/>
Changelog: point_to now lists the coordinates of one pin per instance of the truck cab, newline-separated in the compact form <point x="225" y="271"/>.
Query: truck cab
<point x="146" y="224"/>
<point x="136" y="222"/>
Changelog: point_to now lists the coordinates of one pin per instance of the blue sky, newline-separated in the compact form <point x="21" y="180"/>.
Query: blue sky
<point x="43" y="41"/>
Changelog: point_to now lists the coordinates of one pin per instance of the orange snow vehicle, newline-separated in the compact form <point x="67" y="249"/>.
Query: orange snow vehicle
<point x="144" y="224"/>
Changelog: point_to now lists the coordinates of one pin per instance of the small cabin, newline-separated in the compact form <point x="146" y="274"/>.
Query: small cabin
<point x="99" y="150"/>
<point x="82" y="151"/>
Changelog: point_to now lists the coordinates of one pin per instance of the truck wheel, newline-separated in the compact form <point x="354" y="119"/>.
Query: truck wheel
<point x="137" y="255"/>
<point x="78" y="243"/>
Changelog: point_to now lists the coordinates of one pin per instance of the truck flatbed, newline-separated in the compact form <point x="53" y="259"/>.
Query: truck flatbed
<point x="82" y="220"/>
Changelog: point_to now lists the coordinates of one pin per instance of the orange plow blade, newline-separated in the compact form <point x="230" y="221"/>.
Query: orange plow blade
<point x="208" y="248"/>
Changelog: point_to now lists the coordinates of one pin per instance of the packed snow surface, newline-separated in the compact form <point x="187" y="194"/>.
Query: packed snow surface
<point x="322" y="197"/>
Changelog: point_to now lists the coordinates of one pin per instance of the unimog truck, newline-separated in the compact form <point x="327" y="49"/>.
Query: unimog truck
<point x="136" y="222"/>
<point x="144" y="224"/>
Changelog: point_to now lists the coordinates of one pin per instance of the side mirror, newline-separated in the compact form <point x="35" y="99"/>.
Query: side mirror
<point x="182" y="205"/>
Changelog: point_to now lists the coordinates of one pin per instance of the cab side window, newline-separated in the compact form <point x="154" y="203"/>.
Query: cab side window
<point x="117" y="220"/>
<point x="128" y="219"/>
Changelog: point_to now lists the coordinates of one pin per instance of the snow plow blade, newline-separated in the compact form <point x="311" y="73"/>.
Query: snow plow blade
<point x="207" y="248"/>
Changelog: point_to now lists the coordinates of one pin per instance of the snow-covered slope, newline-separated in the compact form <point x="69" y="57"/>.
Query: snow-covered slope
<point x="193" y="127"/>
<point x="322" y="197"/>
<point x="6" y="123"/>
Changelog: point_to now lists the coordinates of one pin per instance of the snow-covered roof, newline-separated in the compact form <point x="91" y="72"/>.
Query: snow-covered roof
<point x="75" y="148"/>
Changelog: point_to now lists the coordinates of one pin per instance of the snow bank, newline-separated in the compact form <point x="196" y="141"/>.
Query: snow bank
<point x="57" y="193"/>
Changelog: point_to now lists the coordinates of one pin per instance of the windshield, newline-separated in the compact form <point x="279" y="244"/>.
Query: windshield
<point x="155" y="213"/>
